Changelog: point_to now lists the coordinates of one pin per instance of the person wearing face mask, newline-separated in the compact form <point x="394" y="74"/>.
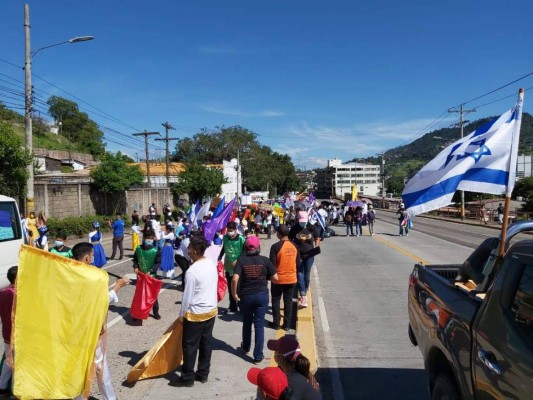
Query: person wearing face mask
<point x="59" y="246"/>
<point x="307" y="239"/>
<point x="144" y="259"/>
<point x="232" y="248"/>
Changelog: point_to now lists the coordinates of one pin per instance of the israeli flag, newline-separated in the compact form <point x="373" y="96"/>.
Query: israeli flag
<point x="482" y="162"/>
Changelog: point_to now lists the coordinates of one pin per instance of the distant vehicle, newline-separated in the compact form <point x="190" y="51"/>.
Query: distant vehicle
<point x="11" y="237"/>
<point x="473" y="322"/>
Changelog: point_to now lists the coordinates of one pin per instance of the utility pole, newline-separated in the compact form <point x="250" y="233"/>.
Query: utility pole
<point x="462" y="112"/>
<point x="146" y="134"/>
<point x="382" y="180"/>
<point x="167" y="127"/>
<point x="28" y="108"/>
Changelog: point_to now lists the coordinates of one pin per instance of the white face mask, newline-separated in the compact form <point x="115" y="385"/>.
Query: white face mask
<point x="232" y="233"/>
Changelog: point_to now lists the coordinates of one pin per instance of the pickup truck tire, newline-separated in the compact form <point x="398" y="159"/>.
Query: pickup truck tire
<point x="445" y="388"/>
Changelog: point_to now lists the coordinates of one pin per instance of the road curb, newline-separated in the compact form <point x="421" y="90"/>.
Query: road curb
<point x="305" y="332"/>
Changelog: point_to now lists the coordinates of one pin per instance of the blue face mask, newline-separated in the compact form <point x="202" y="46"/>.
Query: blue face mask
<point x="58" y="243"/>
<point x="149" y="242"/>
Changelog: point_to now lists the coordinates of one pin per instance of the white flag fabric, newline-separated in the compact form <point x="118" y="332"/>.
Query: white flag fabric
<point x="482" y="162"/>
<point x="201" y="213"/>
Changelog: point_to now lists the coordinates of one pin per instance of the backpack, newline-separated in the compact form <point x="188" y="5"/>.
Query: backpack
<point x="371" y="215"/>
<point x="348" y="217"/>
<point x="222" y="285"/>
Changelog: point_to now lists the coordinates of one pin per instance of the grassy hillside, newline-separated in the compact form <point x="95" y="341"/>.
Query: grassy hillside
<point x="41" y="139"/>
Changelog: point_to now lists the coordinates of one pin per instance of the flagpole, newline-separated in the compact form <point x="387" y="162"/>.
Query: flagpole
<point x="505" y="222"/>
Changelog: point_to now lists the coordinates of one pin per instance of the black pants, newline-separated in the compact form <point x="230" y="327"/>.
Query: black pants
<point x="117" y="241"/>
<point x="287" y="291"/>
<point x="155" y="308"/>
<point x="196" y="338"/>
<point x="232" y="302"/>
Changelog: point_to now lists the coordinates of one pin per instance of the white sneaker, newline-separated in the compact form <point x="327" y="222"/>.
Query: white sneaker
<point x="303" y="302"/>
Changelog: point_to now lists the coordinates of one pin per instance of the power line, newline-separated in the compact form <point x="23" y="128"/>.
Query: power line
<point x="495" y="90"/>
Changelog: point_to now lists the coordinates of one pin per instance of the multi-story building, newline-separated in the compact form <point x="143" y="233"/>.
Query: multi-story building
<point x="337" y="179"/>
<point x="524" y="167"/>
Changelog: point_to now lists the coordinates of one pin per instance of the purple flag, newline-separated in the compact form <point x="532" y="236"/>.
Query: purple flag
<point x="312" y="198"/>
<point x="211" y="227"/>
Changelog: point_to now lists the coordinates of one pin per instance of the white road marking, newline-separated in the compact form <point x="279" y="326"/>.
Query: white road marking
<point x="336" y="382"/>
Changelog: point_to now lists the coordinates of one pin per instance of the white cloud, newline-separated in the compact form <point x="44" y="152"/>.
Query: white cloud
<point x="240" y="113"/>
<point x="313" y="145"/>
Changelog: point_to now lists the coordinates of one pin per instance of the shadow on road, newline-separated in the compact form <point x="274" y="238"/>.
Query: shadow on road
<point x="376" y="383"/>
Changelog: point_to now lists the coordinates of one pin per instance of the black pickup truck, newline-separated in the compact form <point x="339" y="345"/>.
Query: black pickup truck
<point x="473" y="322"/>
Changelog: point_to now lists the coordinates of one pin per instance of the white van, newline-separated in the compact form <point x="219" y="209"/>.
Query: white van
<point x="11" y="237"/>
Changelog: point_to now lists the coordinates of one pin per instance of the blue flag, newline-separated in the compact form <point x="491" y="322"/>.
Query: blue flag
<point x="482" y="162"/>
<point x="219" y="208"/>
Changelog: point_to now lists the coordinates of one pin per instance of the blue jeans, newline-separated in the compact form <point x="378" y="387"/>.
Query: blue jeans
<point x="358" y="228"/>
<point x="402" y="229"/>
<point x="304" y="275"/>
<point x="254" y="307"/>
<point x="349" y="226"/>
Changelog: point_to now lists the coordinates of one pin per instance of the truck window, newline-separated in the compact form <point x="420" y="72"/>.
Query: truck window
<point x="522" y="305"/>
<point x="9" y="225"/>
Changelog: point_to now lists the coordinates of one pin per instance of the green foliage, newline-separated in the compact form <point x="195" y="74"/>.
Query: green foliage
<point x="10" y="115"/>
<point x="79" y="226"/>
<point x="114" y="174"/>
<point x="77" y="125"/>
<point x="261" y="167"/>
<point x="199" y="181"/>
<point x="14" y="159"/>
<point x="66" y="169"/>
<point x="524" y="188"/>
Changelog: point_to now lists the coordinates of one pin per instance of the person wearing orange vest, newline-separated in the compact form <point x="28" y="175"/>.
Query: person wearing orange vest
<point x="285" y="256"/>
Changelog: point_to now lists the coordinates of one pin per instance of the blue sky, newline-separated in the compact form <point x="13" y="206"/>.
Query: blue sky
<point x="314" y="79"/>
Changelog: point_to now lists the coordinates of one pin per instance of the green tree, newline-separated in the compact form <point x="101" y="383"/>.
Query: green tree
<point x="261" y="167"/>
<point x="199" y="181"/>
<point x="14" y="159"/>
<point x="524" y="188"/>
<point x="115" y="175"/>
<point x="77" y="126"/>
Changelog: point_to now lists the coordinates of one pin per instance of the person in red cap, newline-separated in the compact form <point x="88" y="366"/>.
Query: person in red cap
<point x="272" y="383"/>
<point x="296" y="366"/>
<point x="253" y="271"/>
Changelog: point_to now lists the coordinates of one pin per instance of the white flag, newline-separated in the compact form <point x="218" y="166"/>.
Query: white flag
<point x="482" y="162"/>
<point x="201" y="213"/>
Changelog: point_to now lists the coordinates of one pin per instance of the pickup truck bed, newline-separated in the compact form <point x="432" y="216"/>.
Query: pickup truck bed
<point x="440" y="315"/>
<point x="473" y="322"/>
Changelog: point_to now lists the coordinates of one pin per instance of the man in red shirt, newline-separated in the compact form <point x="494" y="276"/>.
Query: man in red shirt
<point x="7" y="296"/>
<point x="285" y="256"/>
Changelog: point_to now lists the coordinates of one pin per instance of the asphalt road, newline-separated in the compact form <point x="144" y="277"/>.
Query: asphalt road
<point x="359" y="296"/>
<point x="360" y="300"/>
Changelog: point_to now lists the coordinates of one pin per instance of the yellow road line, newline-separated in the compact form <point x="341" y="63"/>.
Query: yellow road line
<point x="401" y="250"/>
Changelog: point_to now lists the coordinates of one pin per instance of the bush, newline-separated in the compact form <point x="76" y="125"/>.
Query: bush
<point x="79" y="226"/>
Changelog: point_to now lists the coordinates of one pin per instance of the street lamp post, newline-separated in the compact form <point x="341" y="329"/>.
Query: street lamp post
<point x="28" y="98"/>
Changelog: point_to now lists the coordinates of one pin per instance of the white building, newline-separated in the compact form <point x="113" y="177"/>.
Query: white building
<point x="524" y="167"/>
<point x="337" y="179"/>
<point x="233" y="178"/>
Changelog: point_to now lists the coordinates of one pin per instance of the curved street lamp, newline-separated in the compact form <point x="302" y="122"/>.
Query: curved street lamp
<point x="28" y="98"/>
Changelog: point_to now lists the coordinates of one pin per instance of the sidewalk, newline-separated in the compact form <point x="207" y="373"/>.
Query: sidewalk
<point x="229" y="366"/>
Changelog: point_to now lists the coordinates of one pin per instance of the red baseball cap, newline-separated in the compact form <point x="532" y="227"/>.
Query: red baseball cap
<point x="271" y="380"/>
<point x="287" y="346"/>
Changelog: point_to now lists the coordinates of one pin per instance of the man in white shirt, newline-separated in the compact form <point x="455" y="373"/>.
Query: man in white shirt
<point x="199" y="311"/>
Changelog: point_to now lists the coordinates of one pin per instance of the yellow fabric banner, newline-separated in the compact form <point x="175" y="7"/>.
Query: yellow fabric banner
<point x="61" y="306"/>
<point x="164" y="357"/>
<point x="354" y="192"/>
